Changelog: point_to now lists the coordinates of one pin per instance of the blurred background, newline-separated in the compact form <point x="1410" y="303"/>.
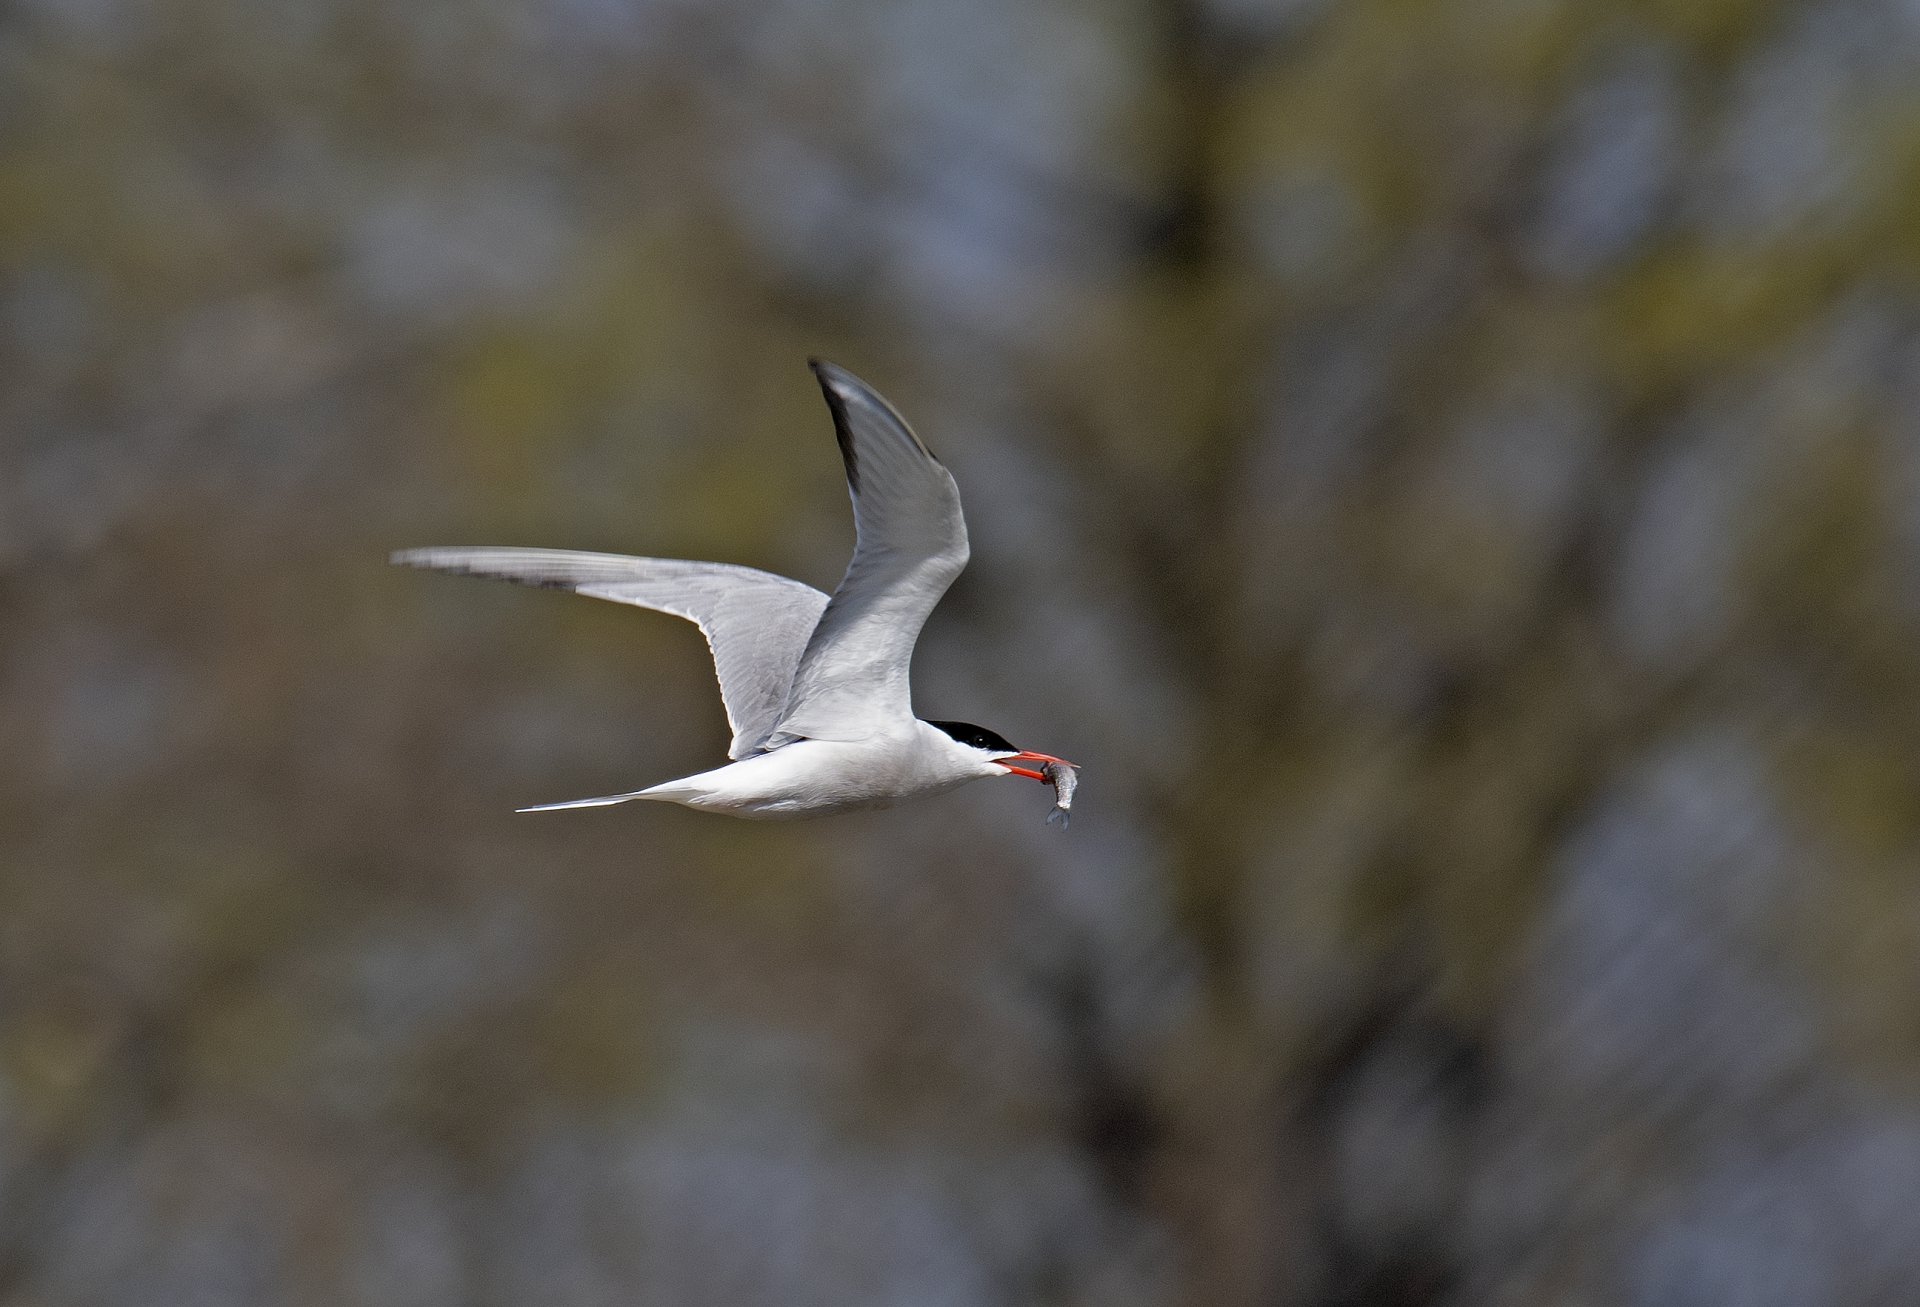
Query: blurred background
<point x="1449" y="472"/>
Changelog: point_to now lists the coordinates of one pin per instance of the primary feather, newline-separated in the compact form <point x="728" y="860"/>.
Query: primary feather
<point x="756" y="623"/>
<point x="910" y="543"/>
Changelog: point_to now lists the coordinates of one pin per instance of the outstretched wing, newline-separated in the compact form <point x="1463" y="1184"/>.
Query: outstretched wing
<point x="756" y="623"/>
<point x="912" y="543"/>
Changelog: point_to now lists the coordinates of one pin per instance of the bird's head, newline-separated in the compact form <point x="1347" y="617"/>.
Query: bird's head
<point x="998" y="751"/>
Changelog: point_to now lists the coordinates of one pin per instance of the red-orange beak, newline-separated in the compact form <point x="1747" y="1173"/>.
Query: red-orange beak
<point x="1027" y="755"/>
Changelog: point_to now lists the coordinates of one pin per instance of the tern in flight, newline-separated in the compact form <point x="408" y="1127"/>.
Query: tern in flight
<point x="815" y="688"/>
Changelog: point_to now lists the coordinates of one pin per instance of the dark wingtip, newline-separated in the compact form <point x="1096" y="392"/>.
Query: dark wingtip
<point x="421" y="558"/>
<point x="830" y="376"/>
<point x="837" y="384"/>
<point x="430" y="560"/>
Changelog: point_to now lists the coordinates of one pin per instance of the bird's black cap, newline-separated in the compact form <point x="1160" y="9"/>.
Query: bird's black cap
<point x="977" y="736"/>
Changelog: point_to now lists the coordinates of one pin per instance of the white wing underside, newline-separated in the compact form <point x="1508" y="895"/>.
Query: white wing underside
<point x="756" y="623"/>
<point x="911" y="543"/>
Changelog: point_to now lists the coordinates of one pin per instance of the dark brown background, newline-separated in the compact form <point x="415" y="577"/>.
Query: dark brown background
<point x="1449" y="471"/>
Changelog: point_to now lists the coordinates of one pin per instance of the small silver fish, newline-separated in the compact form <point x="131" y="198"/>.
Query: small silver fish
<point x="1063" y="776"/>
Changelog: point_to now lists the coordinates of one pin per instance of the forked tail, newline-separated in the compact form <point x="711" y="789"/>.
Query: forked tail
<point x="668" y="793"/>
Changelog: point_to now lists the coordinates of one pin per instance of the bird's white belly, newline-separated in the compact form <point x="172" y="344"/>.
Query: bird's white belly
<point x="812" y="778"/>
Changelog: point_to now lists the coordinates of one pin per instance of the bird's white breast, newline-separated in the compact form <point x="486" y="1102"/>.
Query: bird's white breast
<point x="811" y="777"/>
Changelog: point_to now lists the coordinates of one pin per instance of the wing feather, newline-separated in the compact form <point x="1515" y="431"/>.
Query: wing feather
<point x="756" y="623"/>
<point x="911" y="543"/>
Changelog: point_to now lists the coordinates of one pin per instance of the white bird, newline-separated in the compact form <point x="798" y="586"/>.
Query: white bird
<point x="816" y="689"/>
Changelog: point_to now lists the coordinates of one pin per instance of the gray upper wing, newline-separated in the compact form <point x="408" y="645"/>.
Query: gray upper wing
<point x="757" y="624"/>
<point x="912" y="543"/>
